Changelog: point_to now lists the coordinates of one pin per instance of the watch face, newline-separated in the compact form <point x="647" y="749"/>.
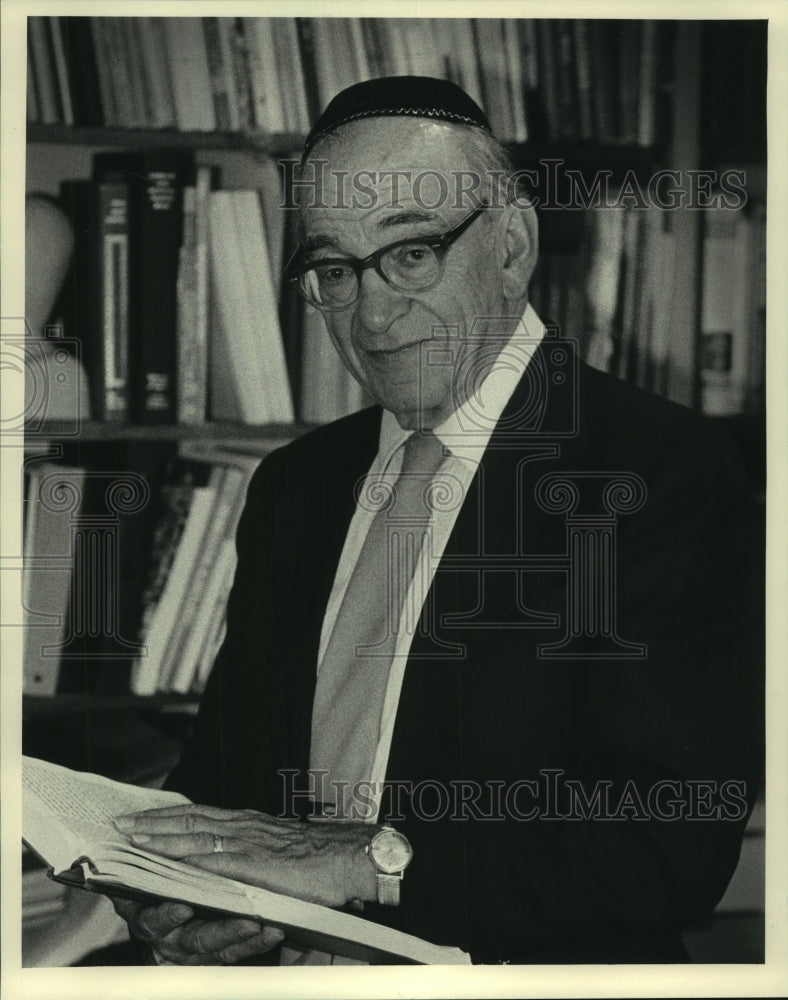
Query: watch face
<point x="390" y="851"/>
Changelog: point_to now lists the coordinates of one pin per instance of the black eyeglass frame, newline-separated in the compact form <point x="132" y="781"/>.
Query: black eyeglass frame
<point x="438" y="244"/>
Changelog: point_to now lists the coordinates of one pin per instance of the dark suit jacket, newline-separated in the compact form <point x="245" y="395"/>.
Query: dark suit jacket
<point x="616" y="886"/>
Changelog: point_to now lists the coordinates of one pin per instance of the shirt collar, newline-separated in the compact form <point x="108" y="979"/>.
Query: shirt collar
<point x="467" y="430"/>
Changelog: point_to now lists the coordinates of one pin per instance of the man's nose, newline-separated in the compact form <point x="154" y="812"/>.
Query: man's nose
<point x="378" y="303"/>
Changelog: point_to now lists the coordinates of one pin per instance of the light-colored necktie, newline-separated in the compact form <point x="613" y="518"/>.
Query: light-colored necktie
<point x="352" y="680"/>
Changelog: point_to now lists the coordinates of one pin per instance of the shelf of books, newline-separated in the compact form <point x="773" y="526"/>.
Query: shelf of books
<point x="195" y="361"/>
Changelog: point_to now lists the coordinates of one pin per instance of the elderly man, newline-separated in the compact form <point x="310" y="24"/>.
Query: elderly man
<point x="483" y="670"/>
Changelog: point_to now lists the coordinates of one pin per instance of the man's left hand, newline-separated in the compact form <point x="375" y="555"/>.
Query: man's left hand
<point x="319" y="862"/>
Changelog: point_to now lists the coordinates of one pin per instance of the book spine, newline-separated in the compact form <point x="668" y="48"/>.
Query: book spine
<point x="201" y="593"/>
<point x="191" y="78"/>
<point x="106" y="90"/>
<point x="287" y="97"/>
<point x="43" y="61"/>
<point x="548" y="70"/>
<point x="114" y="235"/>
<point x="61" y="69"/>
<point x="192" y="335"/>
<point x="720" y="337"/>
<point x="585" y="93"/>
<point x="83" y="71"/>
<point x="140" y="81"/>
<point x="49" y="563"/>
<point x="219" y="78"/>
<point x="566" y="80"/>
<point x="156" y="181"/>
<point x="32" y="107"/>
<point x="359" y="49"/>
<point x="373" y="46"/>
<point x="756" y="321"/>
<point x="250" y="233"/>
<point x="241" y="73"/>
<point x="604" y="41"/>
<point x="266" y="95"/>
<point x="154" y="55"/>
<point x="306" y="43"/>
<point x="648" y="85"/>
<point x="120" y="70"/>
<point x="173" y="514"/>
<point x="630" y="38"/>
<point x="97" y="313"/>
<point x="238" y="386"/>
<point x="515" y="78"/>
<point x="164" y="623"/>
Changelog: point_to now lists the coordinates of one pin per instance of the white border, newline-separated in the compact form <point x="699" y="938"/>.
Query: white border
<point x="208" y="983"/>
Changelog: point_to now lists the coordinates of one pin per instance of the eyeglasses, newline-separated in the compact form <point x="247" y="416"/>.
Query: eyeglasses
<point x="412" y="265"/>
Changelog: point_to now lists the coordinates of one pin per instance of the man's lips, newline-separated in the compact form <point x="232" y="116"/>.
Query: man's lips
<point x="383" y="353"/>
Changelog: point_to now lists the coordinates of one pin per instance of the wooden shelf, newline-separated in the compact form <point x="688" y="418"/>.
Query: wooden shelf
<point x="65" y="704"/>
<point x="136" y="138"/>
<point x="220" y="433"/>
<point x="615" y="157"/>
<point x="587" y="154"/>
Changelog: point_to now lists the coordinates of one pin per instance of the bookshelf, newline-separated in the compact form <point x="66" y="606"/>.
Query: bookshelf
<point x="615" y="124"/>
<point x="647" y="117"/>
<point x="684" y="67"/>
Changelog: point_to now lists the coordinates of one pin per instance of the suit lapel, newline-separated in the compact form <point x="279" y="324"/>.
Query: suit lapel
<point x="474" y="594"/>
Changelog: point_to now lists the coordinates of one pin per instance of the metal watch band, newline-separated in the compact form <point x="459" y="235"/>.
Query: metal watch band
<point x="388" y="888"/>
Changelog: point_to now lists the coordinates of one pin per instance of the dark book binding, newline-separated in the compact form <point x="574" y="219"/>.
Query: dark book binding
<point x="97" y="307"/>
<point x="156" y="179"/>
<point x="82" y="70"/>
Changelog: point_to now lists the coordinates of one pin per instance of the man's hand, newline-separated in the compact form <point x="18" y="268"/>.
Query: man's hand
<point x="319" y="862"/>
<point x="176" y="937"/>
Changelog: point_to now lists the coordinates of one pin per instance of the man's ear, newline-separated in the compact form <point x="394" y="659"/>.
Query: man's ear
<point x="520" y="249"/>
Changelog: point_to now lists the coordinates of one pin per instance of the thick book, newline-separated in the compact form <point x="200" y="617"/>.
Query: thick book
<point x="164" y="625"/>
<point x="82" y="70"/>
<point x="190" y="75"/>
<point x="98" y="309"/>
<point x="192" y="304"/>
<point x="120" y="70"/>
<point x="267" y="99"/>
<point x="54" y="500"/>
<point x="156" y="179"/>
<point x="217" y="49"/>
<point x="723" y="320"/>
<point x="267" y="344"/>
<point x="291" y="74"/>
<point x="240" y="388"/>
<point x="106" y="89"/>
<point x="67" y="821"/>
<point x="61" y="69"/>
<point x="172" y="512"/>
<point x="153" y="40"/>
<point x="40" y="44"/>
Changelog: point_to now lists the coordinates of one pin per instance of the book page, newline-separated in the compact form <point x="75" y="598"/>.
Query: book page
<point x="68" y="813"/>
<point x="58" y="800"/>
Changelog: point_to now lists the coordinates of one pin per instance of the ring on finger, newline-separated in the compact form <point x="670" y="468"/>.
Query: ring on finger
<point x="218" y="844"/>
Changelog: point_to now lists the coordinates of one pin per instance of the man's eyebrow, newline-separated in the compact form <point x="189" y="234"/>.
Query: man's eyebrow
<point x="318" y="242"/>
<point x="406" y="218"/>
<point x="322" y="241"/>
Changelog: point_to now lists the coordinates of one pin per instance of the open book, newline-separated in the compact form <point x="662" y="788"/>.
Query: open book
<point x="67" y="821"/>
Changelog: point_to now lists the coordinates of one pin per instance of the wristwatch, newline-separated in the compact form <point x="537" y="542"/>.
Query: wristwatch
<point x="391" y="853"/>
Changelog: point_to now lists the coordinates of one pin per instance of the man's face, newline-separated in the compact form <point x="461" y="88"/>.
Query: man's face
<point x="383" y="336"/>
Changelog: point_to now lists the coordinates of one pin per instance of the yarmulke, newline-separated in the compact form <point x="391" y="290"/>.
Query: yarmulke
<point x="398" y="96"/>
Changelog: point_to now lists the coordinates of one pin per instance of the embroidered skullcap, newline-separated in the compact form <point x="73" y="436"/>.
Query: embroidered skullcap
<point x="398" y="96"/>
